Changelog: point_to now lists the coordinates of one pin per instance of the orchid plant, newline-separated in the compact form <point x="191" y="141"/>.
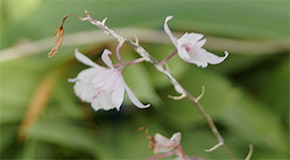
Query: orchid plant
<point x="104" y="87"/>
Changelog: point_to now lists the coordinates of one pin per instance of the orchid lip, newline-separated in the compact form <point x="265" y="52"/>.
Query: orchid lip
<point x="186" y="47"/>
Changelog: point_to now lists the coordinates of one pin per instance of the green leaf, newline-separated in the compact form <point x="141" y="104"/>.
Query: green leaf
<point x="65" y="134"/>
<point x="18" y="82"/>
<point x="231" y="19"/>
<point x="246" y="119"/>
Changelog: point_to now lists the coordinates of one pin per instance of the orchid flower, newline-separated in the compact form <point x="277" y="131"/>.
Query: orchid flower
<point x="189" y="48"/>
<point x="103" y="87"/>
<point x="163" y="144"/>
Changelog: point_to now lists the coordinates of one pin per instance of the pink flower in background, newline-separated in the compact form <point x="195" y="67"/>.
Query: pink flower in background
<point x="189" y="48"/>
<point x="163" y="144"/>
<point x="103" y="87"/>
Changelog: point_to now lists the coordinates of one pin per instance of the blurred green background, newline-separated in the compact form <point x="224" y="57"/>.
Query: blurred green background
<point x="247" y="95"/>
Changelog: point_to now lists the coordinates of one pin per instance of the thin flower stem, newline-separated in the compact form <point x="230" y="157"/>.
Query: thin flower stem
<point x="142" y="52"/>
<point x="161" y="155"/>
<point x="130" y="63"/>
<point x="179" y="148"/>
<point x="135" y="61"/>
<point x="118" y="52"/>
<point x="167" y="58"/>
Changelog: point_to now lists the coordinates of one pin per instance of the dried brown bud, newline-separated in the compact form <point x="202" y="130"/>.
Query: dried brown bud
<point x="58" y="35"/>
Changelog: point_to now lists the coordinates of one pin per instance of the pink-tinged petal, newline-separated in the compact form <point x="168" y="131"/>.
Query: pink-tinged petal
<point x="133" y="98"/>
<point x="161" y="140"/>
<point x="85" y="60"/>
<point x="106" y="59"/>
<point x="101" y="79"/>
<point x="112" y="80"/>
<point x="118" y="95"/>
<point x="168" y="32"/>
<point x="102" y="101"/>
<point x="199" y="44"/>
<point x="164" y="144"/>
<point x="183" y="47"/>
<point x="84" y="74"/>
<point x="194" y="37"/>
<point x="176" y="137"/>
<point x="213" y="59"/>
<point x="183" y="52"/>
<point x="197" y="57"/>
<point x="83" y="87"/>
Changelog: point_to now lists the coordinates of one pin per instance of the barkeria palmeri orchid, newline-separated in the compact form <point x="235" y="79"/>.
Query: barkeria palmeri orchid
<point x="189" y="48"/>
<point x="163" y="144"/>
<point x="103" y="87"/>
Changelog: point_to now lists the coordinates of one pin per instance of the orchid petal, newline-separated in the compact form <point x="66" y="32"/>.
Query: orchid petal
<point x="199" y="44"/>
<point x="118" y="95"/>
<point x="85" y="60"/>
<point x="101" y="79"/>
<point x="111" y="79"/>
<point x="83" y="87"/>
<point x="194" y="37"/>
<point x="176" y="137"/>
<point x="133" y="98"/>
<point x="168" y="32"/>
<point x="102" y="101"/>
<point x="213" y="59"/>
<point x="106" y="59"/>
<point x="198" y="57"/>
<point x="161" y="140"/>
<point x="164" y="144"/>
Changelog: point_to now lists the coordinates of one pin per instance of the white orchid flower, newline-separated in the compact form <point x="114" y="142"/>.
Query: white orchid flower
<point x="189" y="48"/>
<point x="163" y="144"/>
<point x="103" y="87"/>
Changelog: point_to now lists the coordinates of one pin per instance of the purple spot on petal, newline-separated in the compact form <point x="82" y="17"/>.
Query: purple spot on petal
<point x="187" y="48"/>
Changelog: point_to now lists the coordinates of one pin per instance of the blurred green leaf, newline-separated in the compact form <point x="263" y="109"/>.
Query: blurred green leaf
<point x="18" y="82"/>
<point x="218" y="94"/>
<point x="247" y="118"/>
<point x="8" y="135"/>
<point x="231" y="18"/>
<point x="252" y="122"/>
<point x="65" y="134"/>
